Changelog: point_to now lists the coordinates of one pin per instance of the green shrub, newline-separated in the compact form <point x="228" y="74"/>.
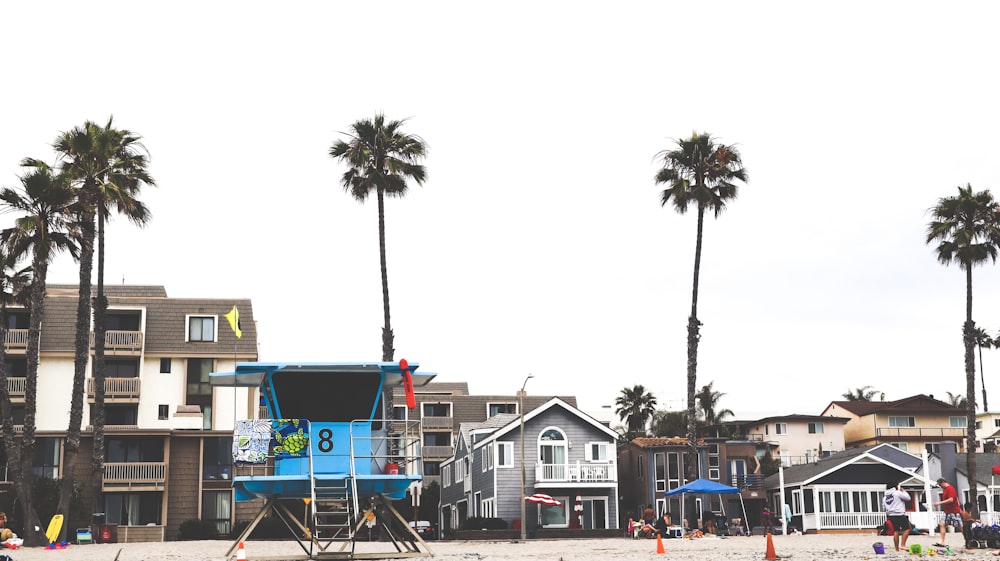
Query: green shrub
<point x="480" y="523"/>
<point x="197" y="530"/>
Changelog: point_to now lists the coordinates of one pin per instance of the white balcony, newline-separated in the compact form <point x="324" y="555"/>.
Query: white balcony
<point x="579" y="472"/>
<point x="16" y="339"/>
<point x="116" y="389"/>
<point x="116" y="340"/>
<point x="148" y="475"/>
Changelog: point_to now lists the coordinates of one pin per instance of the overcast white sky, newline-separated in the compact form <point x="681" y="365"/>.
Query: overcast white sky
<point x="538" y="244"/>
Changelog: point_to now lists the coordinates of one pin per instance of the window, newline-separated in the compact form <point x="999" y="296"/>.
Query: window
<point x="163" y="412"/>
<point x="199" y="390"/>
<point x="902" y="422"/>
<point x="660" y="468"/>
<point x="487" y="458"/>
<point x="165" y="365"/>
<point x="126" y="415"/>
<point x="797" y="502"/>
<point x="134" y="449"/>
<point x="201" y="328"/>
<point x="933" y="447"/>
<point x="957" y="422"/>
<point x="780" y="428"/>
<point x="713" y="473"/>
<point x="497" y="408"/>
<point x="121" y="321"/>
<point x="121" y="368"/>
<point x="597" y="452"/>
<point x="217" y="458"/>
<point x="432" y="468"/>
<point x="399" y="413"/>
<point x="673" y="470"/>
<point x="996" y="423"/>
<point x="216" y="508"/>
<point x="446" y="475"/>
<point x="713" y="461"/>
<point x="46" y="461"/>
<point x="133" y="509"/>
<point x="16" y="367"/>
<point x="489" y="508"/>
<point x="552" y="452"/>
<point x="900" y="445"/>
<point x="436" y="409"/>
<point x="815" y="428"/>
<point x="639" y="466"/>
<point x="17" y="319"/>
<point x="505" y="454"/>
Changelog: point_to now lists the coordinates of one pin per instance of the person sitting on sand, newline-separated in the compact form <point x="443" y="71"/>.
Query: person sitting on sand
<point x="648" y="529"/>
<point x="5" y="532"/>
<point x="663" y="525"/>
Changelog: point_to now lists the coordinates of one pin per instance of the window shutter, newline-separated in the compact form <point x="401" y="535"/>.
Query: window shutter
<point x="589" y="452"/>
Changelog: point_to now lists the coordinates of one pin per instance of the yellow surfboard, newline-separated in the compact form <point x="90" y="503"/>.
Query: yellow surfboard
<point x="55" y="525"/>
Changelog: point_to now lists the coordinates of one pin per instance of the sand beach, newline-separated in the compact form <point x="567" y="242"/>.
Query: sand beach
<point x="753" y="548"/>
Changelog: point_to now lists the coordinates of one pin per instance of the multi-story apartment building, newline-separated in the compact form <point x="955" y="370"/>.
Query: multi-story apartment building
<point x="442" y="407"/>
<point x="910" y="424"/>
<point x="797" y="439"/>
<point x="168" y="432"/>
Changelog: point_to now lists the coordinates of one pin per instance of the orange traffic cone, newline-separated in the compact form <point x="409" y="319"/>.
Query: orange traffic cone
<point x="770" y="555"/>
<point x="241" y="554"/>
<point x="659" y="544"/>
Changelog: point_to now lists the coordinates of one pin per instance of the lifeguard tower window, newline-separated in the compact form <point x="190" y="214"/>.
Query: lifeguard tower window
<point x="335" y="397"/>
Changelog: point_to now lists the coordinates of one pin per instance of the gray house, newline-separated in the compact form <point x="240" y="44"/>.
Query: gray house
<point x="568" y="455"/>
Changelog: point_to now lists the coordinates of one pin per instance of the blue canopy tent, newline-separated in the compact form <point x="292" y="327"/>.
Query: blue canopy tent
<point x="706" y="487"/>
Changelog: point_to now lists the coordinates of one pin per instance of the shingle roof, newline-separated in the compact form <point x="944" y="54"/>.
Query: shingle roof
<point x="165" y="321"/>
<point x="916" y="403"/>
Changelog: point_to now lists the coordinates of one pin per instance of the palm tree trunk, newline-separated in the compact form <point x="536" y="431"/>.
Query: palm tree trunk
<point x="691" y="462"/>
<point x="71" y="451"/>
<point x="970" y="392"/>
<point x="20" y="461"/>
<point x="387" y="336"/>
<point x="982" y="377"/>
<point x="100" y="307"/>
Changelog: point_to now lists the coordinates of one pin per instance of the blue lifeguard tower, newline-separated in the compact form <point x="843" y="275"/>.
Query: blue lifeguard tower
<point x="323" y="437"/>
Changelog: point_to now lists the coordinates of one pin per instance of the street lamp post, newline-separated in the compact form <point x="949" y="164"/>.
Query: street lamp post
<point x="520" y="409"/>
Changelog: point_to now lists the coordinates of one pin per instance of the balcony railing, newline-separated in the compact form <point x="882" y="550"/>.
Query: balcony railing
<point x="15" y="387"/>
<point x="116" y="387"/>
<point x="917" y="432"/>
<point x="16" y="338"/>
<point x="437" y="451"/>
<point x="437" y="423"/>
<point x="750" y="481"/>
<point x="578" y="472"/>
<point x="120" y="340"/>
<point x="135" y="472"/>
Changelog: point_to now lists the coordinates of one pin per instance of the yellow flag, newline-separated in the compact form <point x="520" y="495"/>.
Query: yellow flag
<point x="234" y="321"/>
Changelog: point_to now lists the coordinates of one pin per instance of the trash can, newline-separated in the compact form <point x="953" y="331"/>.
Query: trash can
<point x="102" y="531"/>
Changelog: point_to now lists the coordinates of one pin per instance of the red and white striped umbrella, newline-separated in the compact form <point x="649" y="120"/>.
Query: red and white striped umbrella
<point x="542" y="499"/>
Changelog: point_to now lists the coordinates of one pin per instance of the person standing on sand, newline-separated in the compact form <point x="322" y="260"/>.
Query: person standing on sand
<point x="895" y="510"/>
<point x="952" y="509"/>
<point x="766" y="520"/>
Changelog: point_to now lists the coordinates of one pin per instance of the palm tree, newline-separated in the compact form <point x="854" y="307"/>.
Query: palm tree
<point x="45" y="198"/>
<point x="983" y="340"/>
<point x="109" y="168"/>
<point x="381" y="159"/>
<point x="636" y="406"/>
<point x="708" y="400"/>
<point x="966" y="228"/>
<point x="702" y="172"/>
<point x="864" y="393"/>
<point x="957" y="400"/>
